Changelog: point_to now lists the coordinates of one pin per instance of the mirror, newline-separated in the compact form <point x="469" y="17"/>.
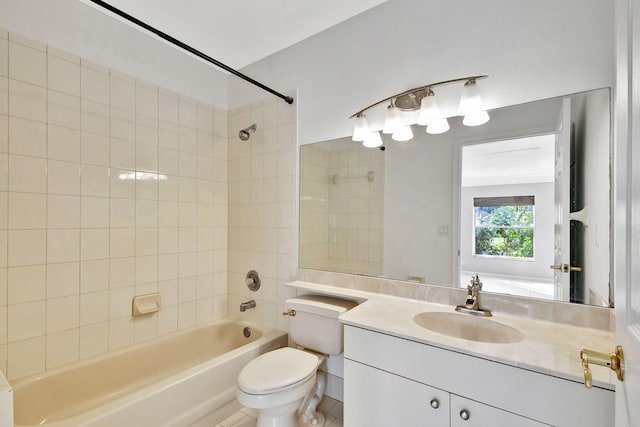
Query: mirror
<point x="523" y="200"/>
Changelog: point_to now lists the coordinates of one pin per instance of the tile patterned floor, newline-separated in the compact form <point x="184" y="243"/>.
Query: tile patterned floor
<point x="331" y="408"/>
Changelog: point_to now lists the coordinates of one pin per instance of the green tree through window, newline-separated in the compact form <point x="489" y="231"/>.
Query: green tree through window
<point x="504" y="226"/>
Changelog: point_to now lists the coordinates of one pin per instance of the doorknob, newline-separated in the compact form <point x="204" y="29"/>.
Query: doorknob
<point x="565" y="268"/>
<point x="615" y="361"/>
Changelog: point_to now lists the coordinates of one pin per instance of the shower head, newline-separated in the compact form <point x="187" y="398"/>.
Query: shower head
<point x="245" y="134"/>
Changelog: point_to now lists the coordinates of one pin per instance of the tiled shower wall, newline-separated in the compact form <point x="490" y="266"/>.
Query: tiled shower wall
<point x="356" y="211"/>
<point x="109" y="188"/>
<point x="263" y="208"/>
<point x="314" y="206"/>
<point x="342" y="209"/>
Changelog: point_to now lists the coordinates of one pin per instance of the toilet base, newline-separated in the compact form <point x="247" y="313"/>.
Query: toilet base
<point x="317" y="420"/>
<point x="282" y="416"/>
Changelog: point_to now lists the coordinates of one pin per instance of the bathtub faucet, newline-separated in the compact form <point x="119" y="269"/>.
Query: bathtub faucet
<point x="249" y="304"/>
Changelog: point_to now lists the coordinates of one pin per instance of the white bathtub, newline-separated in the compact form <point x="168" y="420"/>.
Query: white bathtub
<point x="187" y="378"/>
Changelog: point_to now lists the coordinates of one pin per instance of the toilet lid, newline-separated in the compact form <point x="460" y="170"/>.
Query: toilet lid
<point x="277" y="369"/>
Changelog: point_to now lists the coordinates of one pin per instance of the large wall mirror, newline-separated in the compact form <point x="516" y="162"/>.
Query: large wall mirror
<point x="523" y="200"/>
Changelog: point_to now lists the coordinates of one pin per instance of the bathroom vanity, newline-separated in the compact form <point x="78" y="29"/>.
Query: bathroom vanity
<point x="512" y="371"/>
<point x="395" y="381"/>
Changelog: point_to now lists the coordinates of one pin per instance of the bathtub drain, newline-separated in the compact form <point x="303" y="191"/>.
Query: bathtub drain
<point x="247" y="332"/>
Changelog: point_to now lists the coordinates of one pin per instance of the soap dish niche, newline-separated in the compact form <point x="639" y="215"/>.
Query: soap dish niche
<point x="145" y="304"/>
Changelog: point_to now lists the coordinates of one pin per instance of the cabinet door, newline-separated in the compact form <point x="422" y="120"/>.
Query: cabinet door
<point x="469" y="413"/>
<point x="375" y="398"/>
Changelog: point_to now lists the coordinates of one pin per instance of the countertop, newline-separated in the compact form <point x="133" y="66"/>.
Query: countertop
<point x="548" y="348"/>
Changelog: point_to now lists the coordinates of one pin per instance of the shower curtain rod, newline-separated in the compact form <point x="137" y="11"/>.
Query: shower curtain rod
<point x="190" y="49"/>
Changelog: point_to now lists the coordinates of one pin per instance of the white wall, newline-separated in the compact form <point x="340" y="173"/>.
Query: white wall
<point x="418" y="198"/>
<point x="531" y="49"/>
<point x="543" y="233"/>
<point x="83" y="30"/>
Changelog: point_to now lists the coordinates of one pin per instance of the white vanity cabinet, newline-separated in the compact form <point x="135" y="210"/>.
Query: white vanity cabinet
<point x="403" y="402"/>
<point x="391" y="381"/>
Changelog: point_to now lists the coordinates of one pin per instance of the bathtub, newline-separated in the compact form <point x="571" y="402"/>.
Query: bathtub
<point x="187" y="378"/>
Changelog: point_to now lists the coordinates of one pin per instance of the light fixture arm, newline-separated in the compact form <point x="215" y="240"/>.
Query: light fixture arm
<point x="417" y="91"/>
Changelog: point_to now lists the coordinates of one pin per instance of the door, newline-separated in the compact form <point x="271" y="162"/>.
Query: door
<point x="562" y="225"/>
<point x="626" y="186"/>
<point x="379" y="398"/>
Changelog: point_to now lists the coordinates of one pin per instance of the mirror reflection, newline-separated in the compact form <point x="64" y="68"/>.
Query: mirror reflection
<point x="523" y="201"/>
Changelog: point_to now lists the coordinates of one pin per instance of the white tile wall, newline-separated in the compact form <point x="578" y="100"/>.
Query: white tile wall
<point x="342" y="210"/>
<point x="109" y="187"/>
<point x="262" y="208"/>
<point x="315" y="174"/>
<point x="356" y="208"/>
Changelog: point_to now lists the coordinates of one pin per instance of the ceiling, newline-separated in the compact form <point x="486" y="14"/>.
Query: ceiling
<point x="516" y="161"/>
<point x="241" y="32"/>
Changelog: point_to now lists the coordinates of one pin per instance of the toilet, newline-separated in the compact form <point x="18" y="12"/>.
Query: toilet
<point x="284" y="385"/>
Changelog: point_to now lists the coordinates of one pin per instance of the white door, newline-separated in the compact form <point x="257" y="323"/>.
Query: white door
<point x="626" y="190"/>
<point x="562" y="226"/>
<point x="379" y="398"/>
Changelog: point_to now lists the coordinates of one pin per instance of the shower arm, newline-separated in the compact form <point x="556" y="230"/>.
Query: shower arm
<point x="190" y="49"/>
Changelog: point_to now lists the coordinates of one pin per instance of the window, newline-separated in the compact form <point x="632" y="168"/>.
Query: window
<point x="504" y="226"/>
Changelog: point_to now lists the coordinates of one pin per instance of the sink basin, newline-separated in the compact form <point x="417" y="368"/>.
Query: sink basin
<point x="468" y="327"/>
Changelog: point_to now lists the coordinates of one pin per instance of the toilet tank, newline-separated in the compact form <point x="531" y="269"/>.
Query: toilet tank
<point x="316" y="325"/>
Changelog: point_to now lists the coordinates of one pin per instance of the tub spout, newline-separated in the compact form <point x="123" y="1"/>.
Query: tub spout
<point x="248" y="304"/>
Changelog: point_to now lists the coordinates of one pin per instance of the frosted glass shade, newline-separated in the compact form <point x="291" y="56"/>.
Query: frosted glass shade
<point x="373" y="140"/>
<point x="429" y="111"/>
<point x="437" y="127"/>
<point x="392" y="120"/>
<point x="470" y="100"/>
<point x="476" y="118"/>
<point x="402" y="134"/>
<point x="360" y="128"/>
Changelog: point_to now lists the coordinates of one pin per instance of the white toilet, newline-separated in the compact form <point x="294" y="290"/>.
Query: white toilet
<point x="284" y="385"/>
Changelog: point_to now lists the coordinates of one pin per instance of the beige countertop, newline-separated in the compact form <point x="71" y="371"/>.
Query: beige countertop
<point x="548" y="348"/>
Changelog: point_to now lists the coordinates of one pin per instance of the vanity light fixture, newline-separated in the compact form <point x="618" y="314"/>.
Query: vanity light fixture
<point x="396" y="121"/>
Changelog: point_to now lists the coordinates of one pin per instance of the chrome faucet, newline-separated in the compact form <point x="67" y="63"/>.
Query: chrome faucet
<point x="246" y="305"/>
<point x="472" y="302"/>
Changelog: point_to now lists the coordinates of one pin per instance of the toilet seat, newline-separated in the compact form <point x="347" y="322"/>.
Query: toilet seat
<point x="277" y="370"/>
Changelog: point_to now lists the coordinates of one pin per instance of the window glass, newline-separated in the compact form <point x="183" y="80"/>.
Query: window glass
<point x="504" y="226"/>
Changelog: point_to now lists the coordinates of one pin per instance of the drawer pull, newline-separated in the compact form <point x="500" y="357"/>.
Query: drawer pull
<point x="435" y="404"/>
<point x="465" y="415"/>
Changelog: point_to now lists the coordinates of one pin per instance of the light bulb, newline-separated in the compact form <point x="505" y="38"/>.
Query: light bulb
<point x="437" y="127"/>
<point x="402" y="134"/>
<point x="392" y="120"/>
<point x="360" y="128"/>
<point x="373" y="140"/>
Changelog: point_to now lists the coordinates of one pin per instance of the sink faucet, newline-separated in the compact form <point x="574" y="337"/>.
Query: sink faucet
<point x="246" y="305"/>
<point x="472" y="302"/>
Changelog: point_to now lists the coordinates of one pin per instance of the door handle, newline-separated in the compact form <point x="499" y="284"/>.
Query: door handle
<point x="565" y="268"/>
<point x="615" y="361"/>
